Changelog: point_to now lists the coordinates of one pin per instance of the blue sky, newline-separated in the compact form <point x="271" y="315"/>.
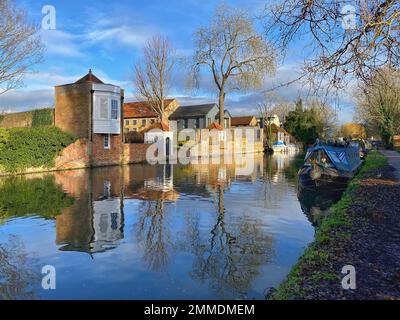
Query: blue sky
<point x="107" y="36"/>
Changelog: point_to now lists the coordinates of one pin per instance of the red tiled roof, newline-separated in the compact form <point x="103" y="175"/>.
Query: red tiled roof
<point x="241" y="121"/>
<point x="216" y="126"/>
<point x="158" y="125"/>
<point x="142" y="109"/>
<point x="90" y="77"/>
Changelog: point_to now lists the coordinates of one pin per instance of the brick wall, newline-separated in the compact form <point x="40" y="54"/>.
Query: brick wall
<point x="106" y="157"/>
<point x="72" y="112"/>
<point x="74" y="156"/>
<point x="135" y="152"/>
<point x="16" y="120"/>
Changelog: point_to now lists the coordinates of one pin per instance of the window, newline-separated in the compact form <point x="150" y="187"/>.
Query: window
<point x="143" y="122"/>
<point x="114" y="109"/>
<point x="258" y="135"/>
<point x="107" y="141"/>
<point x="134" y="122"/>
<point x="152" y="121"/>
<point x="107" y="189"/>
<point x="197" y="125"/>
<point x="103" y="108"/>
<point x="127" y="122"/>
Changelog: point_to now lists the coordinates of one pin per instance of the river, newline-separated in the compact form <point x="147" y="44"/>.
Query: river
<point x="152" y="232"/>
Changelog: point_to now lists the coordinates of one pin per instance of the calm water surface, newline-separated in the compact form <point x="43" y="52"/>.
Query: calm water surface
<point x="152" y="232"/>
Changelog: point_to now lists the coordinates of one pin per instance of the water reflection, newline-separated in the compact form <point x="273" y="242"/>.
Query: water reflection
<point x="95" y="223"/>
<point x="17" y="277"/>
<point x="316" y="205"/>
<point x="210" y="224"/>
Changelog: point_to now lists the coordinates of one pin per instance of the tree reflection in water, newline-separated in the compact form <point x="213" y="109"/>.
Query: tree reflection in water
<point x="229" y="258"/>
<point x="17" y="277"/>
<point x="151" y="231"/>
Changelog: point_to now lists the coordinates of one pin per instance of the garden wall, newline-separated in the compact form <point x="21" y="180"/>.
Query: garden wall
<point x="27" y="119"/>
<point x="135" y="152"/>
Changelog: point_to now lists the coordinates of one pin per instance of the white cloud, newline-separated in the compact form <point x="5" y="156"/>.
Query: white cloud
<point x="62" y="43"/>
<point x="123" y="35"/>
<point x="41" y="90"/>
<point x="22" y="100"/>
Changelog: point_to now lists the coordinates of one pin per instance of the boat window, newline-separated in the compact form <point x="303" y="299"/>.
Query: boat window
<point x="324" y="159"/>
<point x="312" y="158"/>
<point x="319" y="157"/>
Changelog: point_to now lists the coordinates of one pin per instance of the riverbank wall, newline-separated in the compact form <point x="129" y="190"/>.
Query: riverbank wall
<point x="77" y="156"/>
<point x="360" y="233"/>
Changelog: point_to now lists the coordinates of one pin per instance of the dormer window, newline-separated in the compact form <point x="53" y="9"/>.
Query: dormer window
<point x="114" y="109"/>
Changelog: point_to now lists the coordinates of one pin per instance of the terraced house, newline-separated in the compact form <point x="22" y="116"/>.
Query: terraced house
<point x="197" y="117"/>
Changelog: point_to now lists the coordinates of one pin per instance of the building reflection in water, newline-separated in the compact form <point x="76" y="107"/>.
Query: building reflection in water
<point x="95" y="223"/>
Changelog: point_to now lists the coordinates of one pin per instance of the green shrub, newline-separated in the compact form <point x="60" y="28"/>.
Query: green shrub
<point x="22" y="148"/>
<point x="42" y="117"/>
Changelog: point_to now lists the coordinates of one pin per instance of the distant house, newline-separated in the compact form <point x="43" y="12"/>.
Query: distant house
<point x="197" y="117"/>
<point x="160" y="132"/>
<point x="274" y="120"/>
<point x="246" y="121"/>
<point x="139" y="115"/>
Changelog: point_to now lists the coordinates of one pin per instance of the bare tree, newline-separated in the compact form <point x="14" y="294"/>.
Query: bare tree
<point x="378" y="105"/>
<point x="153" y="74"/>
<point x="344" y="41"/>
<point x="233" y="52"/>
<point x="326" y="117"/>
<point x="20" y="45"/>
<point x="274" y="104"/>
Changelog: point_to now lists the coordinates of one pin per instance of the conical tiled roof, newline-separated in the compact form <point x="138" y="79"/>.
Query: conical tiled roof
<point x="215" y="126"/>
<point x="158" y="125"/>
<point x="90" y="77"/>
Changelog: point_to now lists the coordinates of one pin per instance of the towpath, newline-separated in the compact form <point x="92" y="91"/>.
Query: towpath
<point x="370" y="242"/>
<point x="394" y="160"/>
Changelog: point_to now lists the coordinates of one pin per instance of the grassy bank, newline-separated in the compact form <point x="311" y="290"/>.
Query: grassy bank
<point x="314" y="267"/>
<point x="37" y="147"/>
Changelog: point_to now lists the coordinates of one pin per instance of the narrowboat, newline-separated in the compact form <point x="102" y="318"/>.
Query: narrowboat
<point x="325" y="166"/>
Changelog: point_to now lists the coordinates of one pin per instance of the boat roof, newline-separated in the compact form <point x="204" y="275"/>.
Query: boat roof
<point x="343" y="158"/>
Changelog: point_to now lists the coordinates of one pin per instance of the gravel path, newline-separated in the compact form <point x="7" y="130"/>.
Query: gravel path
<point x="394" y="160"/>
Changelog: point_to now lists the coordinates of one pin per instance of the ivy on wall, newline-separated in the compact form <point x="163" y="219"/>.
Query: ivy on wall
<point x="42" y="117"/>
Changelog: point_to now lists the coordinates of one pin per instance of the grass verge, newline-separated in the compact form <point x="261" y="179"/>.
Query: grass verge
<point x="335" y="227"/>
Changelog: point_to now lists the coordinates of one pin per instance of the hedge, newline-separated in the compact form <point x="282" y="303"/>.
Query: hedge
<point x="22" y="148"/>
